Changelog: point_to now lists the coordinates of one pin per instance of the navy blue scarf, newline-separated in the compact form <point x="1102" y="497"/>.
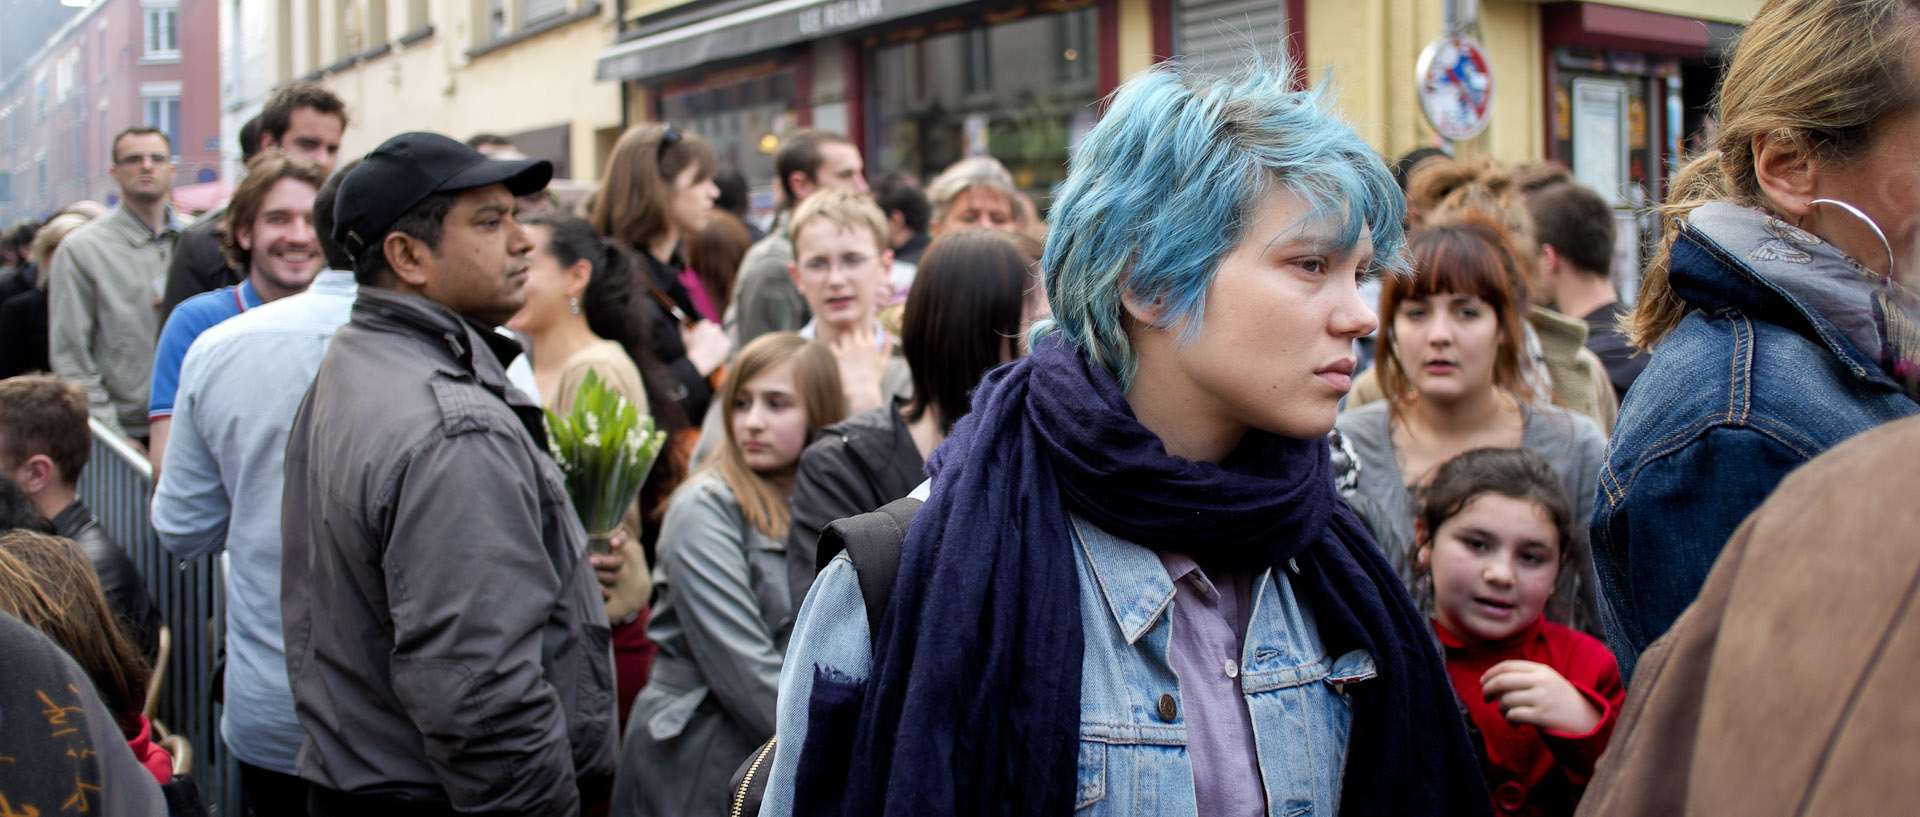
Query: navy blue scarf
<point x="973" y="704"/>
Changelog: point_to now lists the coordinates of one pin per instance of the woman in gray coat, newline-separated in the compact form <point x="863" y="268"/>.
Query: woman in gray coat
<point x="724" y="610"/>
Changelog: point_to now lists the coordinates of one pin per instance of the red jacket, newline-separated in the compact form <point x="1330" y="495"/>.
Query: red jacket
<point x="150" y="754"/>
<point x="1534" y="772"/>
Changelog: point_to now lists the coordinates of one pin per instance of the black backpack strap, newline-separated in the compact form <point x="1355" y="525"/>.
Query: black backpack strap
<point x="874" y="541"/>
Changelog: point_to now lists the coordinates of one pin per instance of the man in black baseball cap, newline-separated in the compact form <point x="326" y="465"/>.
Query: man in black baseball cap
<point x="446" y="641"/>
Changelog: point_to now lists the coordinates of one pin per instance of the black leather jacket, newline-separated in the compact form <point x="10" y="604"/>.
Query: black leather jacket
<point x="854" y="466"/>
<point x="126" y="592"/>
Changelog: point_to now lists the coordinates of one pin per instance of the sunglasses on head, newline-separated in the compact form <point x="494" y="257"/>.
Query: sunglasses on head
<point x="668" y="138"/>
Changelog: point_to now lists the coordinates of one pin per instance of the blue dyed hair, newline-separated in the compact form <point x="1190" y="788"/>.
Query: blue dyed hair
<point x="1165" y="185"/>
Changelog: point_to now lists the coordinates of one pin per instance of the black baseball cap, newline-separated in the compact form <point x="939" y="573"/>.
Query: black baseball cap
<point x="404" y="170"/>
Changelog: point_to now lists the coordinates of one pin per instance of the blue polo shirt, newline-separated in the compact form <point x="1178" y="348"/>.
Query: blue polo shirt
<point x="192" y="317"/>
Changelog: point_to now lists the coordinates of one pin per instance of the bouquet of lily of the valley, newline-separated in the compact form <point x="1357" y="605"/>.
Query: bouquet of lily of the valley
<point x="604" y="447"/>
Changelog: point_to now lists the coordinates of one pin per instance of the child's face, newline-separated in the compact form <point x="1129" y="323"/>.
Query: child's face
<point x="769" y="421"/>
<point x="1494" y="564"/>
<point x="839" y="270"/>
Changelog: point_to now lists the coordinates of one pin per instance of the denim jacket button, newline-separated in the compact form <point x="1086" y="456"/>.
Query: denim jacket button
<point x="1168" y="709"/>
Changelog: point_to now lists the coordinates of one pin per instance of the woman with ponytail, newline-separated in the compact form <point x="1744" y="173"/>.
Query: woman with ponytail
<point x="1779" y="309"/>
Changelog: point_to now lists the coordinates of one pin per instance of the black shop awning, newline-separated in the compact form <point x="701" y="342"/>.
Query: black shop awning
<point x="748" y="31"/>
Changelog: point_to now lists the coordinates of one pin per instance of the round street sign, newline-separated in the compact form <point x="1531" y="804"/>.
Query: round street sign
<point x="1456" y="86"/>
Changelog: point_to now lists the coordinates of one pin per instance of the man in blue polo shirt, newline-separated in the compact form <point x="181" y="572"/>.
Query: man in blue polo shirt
<point x="270" y="235"/>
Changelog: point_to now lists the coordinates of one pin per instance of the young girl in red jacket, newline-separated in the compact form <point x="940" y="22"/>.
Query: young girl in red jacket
<point x="1493" y="538"/>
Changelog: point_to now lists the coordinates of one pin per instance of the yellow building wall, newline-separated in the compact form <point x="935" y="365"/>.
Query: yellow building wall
<point x="540" y="82"/>
<point x="1136" y="37"/>
<point x="1725" y="11"/>
<point x="1371" y="47"/>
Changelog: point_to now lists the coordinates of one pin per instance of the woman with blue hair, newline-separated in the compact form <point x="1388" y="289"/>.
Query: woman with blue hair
<point x="1133" y="587"/>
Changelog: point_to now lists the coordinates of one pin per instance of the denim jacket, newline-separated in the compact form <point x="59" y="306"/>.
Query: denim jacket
<point x="1132" y="760"/>
<point x="1751" y="384"/>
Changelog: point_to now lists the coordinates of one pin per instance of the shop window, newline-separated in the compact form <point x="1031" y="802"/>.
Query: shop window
<point x="743" y="118"/>
<point x="1612" y="126"/>
<point x="1027" y="92"/>
<point x="977" y="69"/>
<point x="1072" y="38"/>
<point x="162" y="31"/>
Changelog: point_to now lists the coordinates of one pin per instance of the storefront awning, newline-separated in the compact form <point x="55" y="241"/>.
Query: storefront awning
<point x="749" y="31"/>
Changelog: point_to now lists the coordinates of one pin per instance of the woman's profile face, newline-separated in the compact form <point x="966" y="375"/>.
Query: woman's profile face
<point x="548" y="285"/>
<point x="1447" y="343"/>
<point x="1274" y="350"/>
<point x="1884" y="182"/>
<point x="690" y="203"/>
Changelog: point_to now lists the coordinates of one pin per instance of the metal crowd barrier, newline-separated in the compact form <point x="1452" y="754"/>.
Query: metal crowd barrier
<point x="117" y="486"/>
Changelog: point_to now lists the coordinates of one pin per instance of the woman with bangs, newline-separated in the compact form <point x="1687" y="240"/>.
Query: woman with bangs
<point x="1450" y="366"/>
<point x="1133" y="587"/>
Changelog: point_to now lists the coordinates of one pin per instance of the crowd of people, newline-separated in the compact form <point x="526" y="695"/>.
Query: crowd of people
<point x="1254" y="474"/>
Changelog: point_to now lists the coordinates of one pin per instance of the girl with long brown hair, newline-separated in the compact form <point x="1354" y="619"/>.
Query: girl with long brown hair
<point x="724" y="612"/>
<point x="47" y="582"/>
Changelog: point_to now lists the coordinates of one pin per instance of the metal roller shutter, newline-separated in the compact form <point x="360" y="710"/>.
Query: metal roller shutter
<point x="1211" y="36"/>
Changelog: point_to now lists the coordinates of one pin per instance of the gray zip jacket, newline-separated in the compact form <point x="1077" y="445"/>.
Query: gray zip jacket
<point x="103" y="287"/>
<point x="445" y="637"/>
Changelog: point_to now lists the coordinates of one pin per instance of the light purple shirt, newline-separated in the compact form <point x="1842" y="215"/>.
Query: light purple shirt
<point x="1209" y="626"/>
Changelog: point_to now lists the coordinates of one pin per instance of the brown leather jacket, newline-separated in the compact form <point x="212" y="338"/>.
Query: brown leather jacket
<point x="1787" y="688"/>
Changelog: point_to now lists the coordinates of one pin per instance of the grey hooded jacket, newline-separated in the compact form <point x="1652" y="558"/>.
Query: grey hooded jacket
<point x="445" y="636"/>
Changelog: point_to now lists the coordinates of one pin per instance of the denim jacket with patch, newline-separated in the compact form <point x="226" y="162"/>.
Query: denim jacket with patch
<point x="1132" y="756"/>
<point x="1752" y="383"/>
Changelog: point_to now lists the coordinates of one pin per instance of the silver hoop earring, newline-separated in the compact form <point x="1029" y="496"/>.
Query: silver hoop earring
<point x="1857" y="213"/>
<point x="573" y="304"/>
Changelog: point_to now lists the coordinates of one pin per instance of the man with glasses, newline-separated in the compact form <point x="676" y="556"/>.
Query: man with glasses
<point x="105" y="281"/>
<point x="840" y="265"/>
<point x="764" y="299"/>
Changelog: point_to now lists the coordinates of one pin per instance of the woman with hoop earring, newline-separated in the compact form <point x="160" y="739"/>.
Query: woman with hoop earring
<point x="1779" y="309"/>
